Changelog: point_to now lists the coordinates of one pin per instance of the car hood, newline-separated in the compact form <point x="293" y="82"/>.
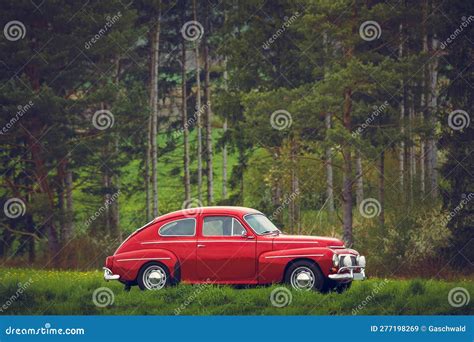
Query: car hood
<point x="283" y="241"/>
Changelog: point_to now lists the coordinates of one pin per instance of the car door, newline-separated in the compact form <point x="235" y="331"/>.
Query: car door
<point x="225" y="250"/>
<point x="179" y="237"/>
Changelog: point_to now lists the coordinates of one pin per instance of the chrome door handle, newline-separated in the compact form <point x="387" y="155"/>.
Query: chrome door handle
<point x="200" y="246"/>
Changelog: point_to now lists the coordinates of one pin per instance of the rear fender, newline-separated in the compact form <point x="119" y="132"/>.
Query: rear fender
<point x="128" y="264"/>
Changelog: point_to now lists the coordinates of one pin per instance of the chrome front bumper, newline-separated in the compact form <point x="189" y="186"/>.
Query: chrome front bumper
<point x="108" y="275"/>
<point x="341" y="274"/>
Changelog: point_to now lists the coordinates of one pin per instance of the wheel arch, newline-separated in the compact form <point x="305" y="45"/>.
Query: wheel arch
<point x="151" y="262"/>
<point x="129" y="264"/>
<point x="293" y="261"/>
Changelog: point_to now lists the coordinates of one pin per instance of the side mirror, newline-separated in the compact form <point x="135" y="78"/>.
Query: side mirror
<point x="246" y="236"/>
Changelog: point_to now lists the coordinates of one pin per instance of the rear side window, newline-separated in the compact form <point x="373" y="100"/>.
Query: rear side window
<point x="185" y="227"/>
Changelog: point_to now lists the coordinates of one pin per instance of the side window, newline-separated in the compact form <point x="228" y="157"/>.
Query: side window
<point x="221" y="226"/>
<point x="186" y="227"/>
<point x="237" y="228"/>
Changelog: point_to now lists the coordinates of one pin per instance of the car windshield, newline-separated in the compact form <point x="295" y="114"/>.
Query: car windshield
<point x="261" y="224"/>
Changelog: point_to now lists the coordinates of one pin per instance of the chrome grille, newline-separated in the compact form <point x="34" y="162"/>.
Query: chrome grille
<point x="352" y="258"/>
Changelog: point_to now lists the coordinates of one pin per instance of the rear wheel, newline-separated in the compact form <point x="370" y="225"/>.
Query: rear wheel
<point x="153" y="276"/>
<point x="305" y="275"/>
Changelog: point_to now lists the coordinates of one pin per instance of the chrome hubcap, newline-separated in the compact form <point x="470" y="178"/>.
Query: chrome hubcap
<point x="302" y="278"/>
<point x="154" y="277"/>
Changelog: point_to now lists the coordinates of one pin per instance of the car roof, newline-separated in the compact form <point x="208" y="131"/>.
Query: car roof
<point x="209" y="210"/>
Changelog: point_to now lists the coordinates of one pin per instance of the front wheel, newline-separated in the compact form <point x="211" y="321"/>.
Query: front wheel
<point x="153" y="276"/>
<point x="305" y="275"/>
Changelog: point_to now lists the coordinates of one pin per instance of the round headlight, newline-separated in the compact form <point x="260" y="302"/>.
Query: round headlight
<point x="361" y="261"/>
<point x="335" y="260"/>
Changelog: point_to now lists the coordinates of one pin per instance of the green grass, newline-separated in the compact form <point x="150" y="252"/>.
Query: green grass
<point x="70" y="293"/>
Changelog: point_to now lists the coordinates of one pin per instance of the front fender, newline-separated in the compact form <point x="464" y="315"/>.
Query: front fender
<point x="128" y="264"/>
<point x="272" y="264"/>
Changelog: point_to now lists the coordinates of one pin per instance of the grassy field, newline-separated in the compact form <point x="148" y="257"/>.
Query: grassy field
<point x="28" y="292"/>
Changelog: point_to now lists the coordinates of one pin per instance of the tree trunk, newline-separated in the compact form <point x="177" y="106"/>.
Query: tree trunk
<point x="31" y="242"/>
<point x="293" y="196"/>
<point x="242" y="166"/>
<point x="147" y="171"/>
<point x="433" y="105"/>
<point x="224" y="164"/>
<point x="61" y="203"/>
<point x="329" y="172"/>
<point x="154" y="111"/>
<point x="224" y="148"/>
<point x="411" y="151"/>
<point x="114" y="205"/>
<point x="115" y="179"/>
<point x="278" y="192"/>
<point x="422" y="167"/>
<point x="347" y="173"/>
<point x="382" y="187"/>
<point x="198" y="111"/>
<point x="148" y="140"/>
<point x="61" y="211"/>
<point x="401" y="153"/>
<point x="69" y="227"/>
<point x="210" y="176"/>
<point x="276" y="184"/>
<point x="106" y="189"/>
<point x="184" y="108"/>
<point x="359" y="181"/>
<point x="423" y="100"/>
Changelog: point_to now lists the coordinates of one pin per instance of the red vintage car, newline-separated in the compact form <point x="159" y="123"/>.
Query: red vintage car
<point x="230" y="245"/>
